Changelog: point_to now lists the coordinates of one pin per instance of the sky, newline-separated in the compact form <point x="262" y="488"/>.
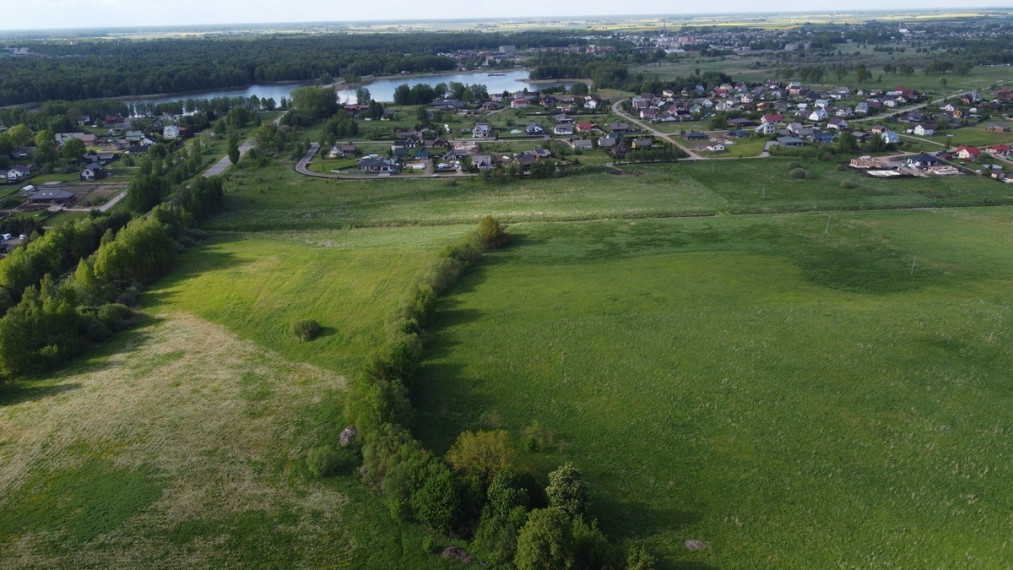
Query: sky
<point x="47" y="14"/>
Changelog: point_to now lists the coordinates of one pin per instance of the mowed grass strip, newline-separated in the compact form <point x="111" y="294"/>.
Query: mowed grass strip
<point x="742" y="382"/>
<point x="259" y="284"/>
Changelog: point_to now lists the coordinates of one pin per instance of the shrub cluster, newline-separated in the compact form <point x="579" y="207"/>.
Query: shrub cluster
<point x="305" y="329"/>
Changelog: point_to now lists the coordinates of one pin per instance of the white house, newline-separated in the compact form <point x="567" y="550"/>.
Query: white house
<point x="818" y="115"/>
<point x="170" y="132"/>
<point x="890" y="137"/>
<point x="481" y="131"/>
<point x="924" y="130"/>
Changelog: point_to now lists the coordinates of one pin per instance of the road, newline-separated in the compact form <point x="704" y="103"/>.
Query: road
<point x="222" y="165"/>
<point x="663" y="136"/>
<point x="302" y="167"/>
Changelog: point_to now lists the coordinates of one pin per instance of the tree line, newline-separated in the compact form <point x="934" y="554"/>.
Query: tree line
<point x="69" y="288"/>
<point x="94" y="69"/>
<point x="476" y="492"/>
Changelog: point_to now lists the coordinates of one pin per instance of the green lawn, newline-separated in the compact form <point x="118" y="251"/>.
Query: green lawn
<point x="793" y="393"/>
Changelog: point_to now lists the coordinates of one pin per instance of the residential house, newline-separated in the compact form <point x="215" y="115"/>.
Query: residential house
<point x="18" y="173"/>
<point x="482" y="161"/>
<point x="586" y="127"/>
<point x="819" y="114"/>
<point x="890" y="137"/>
<point x="924" y="130"/>
<point x="715" y="147"/>
<point x="481" y="131"/>
<point x="375" y="163"/>
<point x="534" y="129"/>
<point x="997" y="128"/>
<point x="772" y="118"/>
<point x="170" y="132"/>
<point x="642" y="143"/>
<point x="823" y="138"/>
<point x="923" y="160"/>
<point x="968" y="152"/>
<point x="766" y="128"/>
<point x="697" y="136"/>
<point x="52" y="196"/>
<point x="583" y="144"/>
<point x="790" y="141"/>
<point x="562" y="129"/>
<point x="862" y="108"/>
<point x="606" y="142"/>
<point x="93" y="171"/>
<point x="837" y="124"/>
<point x="999" y="150"/>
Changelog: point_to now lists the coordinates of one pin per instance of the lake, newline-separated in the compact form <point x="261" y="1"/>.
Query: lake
<point x="380" y="89"/>
<point x="383" y="89"/>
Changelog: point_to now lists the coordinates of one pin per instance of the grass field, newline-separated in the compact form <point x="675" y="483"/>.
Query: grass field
<point x="278" y="199"/>
<point x="797" y="394"/>
<point x="182" y="444"/>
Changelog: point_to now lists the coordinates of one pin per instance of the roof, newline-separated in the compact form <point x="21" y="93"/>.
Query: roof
<point x="51" y="194"/>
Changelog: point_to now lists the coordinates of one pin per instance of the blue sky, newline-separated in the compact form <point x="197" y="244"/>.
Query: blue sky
<point x="44" y="14"/>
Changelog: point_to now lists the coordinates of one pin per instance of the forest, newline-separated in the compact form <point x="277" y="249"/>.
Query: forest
<point x="100" y="68"/>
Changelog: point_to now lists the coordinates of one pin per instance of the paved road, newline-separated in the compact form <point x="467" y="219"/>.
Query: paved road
<point x="663" y="136"/>
<point x="222" y="165"/>
<point x="903" y="110"/>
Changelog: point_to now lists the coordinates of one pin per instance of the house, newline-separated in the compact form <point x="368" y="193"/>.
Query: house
<point x="583" y="144"/>
<point x="716" y="147"/>
<point x="17" y="173"/>
<point x="862" y="108"/>
<point x="923" y="160"/>
<point x="837" y="124"/>
<point x="586" y="127"/>
<point x="482" y="161"/>
<point x="890" y="137"/>
<point x="766" y="128"/>
<point x="697" y="136"/>
<point x="772" y="118"/>
<point x="997" y="128"/>
<point x="923" y="130"/>
<point x="375" y="163"/>
<point x="819" y="114"/>
<point x="93" y="171"/>
<point x="52" y="196"/>
<point x="642" y="143"/>
<point x="968" y="152"/>
<point x="877" y="129"/>
<point x="823" y="138"/>
<point x="621" y="128"/>
<point x="481" y="131"/>
<point x="998" y="150"/>
<point x="562" y="129"/>
<point x="534" y="129"/>
<point x="606" y="142"/>
<point x="170" y="132"/>
<point x="519" y="103"/>
<point x="790" y="141"/>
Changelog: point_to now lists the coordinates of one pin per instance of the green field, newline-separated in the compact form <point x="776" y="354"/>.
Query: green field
<point x="183" y="443"/>
<point x="795" y="394"/>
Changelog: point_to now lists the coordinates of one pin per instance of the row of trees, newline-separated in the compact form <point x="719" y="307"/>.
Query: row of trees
<point x="54" y="311"/>
<point x="475" y="492"/>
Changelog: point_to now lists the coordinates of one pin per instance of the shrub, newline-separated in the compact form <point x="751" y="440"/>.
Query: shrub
<point x="847" y="184"/>
<point x="115" y="316"/>
<point x="493" y="233"/>
<point x="797" y="173"/>
<point x="323" y="461"/>
<point x="809" y="175"/>
<point x="793" y="165"/>
<point x="483" y="453"/>
<point x="306" y="329"/>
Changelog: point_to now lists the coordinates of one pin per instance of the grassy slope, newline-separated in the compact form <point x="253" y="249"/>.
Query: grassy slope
<point x="795" y="398"/>
<point x="183" y="445"/>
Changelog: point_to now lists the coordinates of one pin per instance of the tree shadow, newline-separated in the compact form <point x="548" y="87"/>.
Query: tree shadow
<point x="19" y="393"/>
<point x="205" y="257"/>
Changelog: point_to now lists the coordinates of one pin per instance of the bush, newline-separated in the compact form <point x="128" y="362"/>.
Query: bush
<point x="794" y="165"/>
<point x="493" y="233"/>
<point x="324" y="461"/>
<point x="306" y="329"/>
<point x="848" y="184"/>
<point x="115" y="316"/>
<point x="797" y="173"/>
<point x="809" y="175"/>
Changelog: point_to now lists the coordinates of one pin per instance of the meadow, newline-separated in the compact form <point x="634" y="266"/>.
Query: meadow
<point x="278" y="199"/>
<point x="793" y="393"/>
<point x="183" y="443"/>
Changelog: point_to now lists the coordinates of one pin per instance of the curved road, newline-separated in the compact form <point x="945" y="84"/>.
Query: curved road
<point x="302" y="167"/>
